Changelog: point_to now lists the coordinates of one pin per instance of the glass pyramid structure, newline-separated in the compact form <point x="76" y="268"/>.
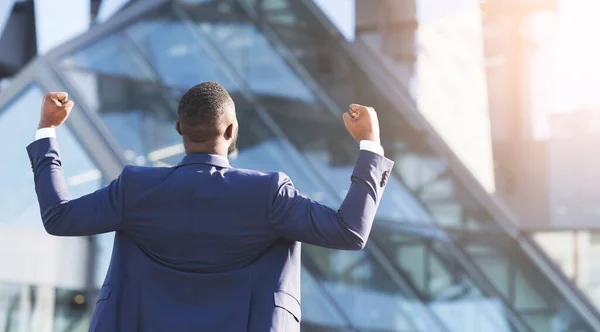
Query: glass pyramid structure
<point x="443" y="256"/>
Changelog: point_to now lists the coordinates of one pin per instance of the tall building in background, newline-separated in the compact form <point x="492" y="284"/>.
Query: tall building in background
<point x="574" y="149"/>
<point x="543" y="111"/>
<point x="435" y="50"/>
<point x="542" y="75"/>
<point x="443" y="255"/>
<point x="519" y="75"/>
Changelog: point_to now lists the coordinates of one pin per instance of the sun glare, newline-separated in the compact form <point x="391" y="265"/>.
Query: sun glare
<point x="577" y="56"/>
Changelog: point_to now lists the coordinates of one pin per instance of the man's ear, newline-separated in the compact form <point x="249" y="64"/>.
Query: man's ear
<point x="178" y="128"/>
<point x="229" y="132"/>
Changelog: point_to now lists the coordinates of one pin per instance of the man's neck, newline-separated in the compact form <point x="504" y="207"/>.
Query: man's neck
<point x="205" y="148"/>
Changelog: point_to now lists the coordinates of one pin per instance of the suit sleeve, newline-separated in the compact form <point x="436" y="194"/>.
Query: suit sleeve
<point x="296" y="217"/>
<point x="95" y="213"/>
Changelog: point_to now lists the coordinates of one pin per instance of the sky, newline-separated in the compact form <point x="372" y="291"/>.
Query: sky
<point x="341" y="13"/>
<point x="577" y="59"/>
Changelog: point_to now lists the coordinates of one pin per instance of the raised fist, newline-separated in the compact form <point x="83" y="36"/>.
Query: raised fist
<point x="56" y="108"/>
<point x="362" y="123"/>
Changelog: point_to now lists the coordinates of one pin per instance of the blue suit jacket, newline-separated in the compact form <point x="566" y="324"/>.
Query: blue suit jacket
<point x="202" y="246"/>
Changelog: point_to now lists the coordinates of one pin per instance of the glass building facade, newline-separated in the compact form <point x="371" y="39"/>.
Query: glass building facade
<point x="443" y="255"/>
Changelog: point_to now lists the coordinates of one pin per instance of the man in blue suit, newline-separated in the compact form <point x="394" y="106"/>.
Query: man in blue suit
<point x="203" y="246"/>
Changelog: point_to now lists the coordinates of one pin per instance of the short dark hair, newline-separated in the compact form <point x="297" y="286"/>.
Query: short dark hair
<point x="200" y="110"/>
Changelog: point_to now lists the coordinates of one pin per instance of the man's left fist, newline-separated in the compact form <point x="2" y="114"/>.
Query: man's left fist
<point x="56" y="108"/>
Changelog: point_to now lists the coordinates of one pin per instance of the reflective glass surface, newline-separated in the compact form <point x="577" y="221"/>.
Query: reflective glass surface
<point x="251" y="54"/>
<point x="363" y="289"/>
<point x="576" y="252"/>
<point x="42" y="308"/>
<point x="321" y="309"/>
<point x="140" y="115"/>
<point x="104" y="246"/>
<point x="10" y="318"/>
<point x="111" y="56"/>
<point x="18" y="123"/>
<point x="430" y="266"/>
<point x="173" y="50"/>
<point x="71" y="311"/>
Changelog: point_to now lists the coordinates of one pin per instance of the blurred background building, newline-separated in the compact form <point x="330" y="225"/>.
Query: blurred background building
<point x="494" y="182"/>
<point x="541" y="76"/>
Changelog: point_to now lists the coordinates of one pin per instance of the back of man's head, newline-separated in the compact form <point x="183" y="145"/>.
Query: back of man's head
<point x="204" y="113"/>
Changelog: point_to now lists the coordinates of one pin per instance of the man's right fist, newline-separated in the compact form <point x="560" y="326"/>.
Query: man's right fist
<point x="361" y="122"/>
<point x="56" y="108"/>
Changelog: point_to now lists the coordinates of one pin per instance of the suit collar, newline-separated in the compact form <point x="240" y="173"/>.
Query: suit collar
<point x="203" y="158"/>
